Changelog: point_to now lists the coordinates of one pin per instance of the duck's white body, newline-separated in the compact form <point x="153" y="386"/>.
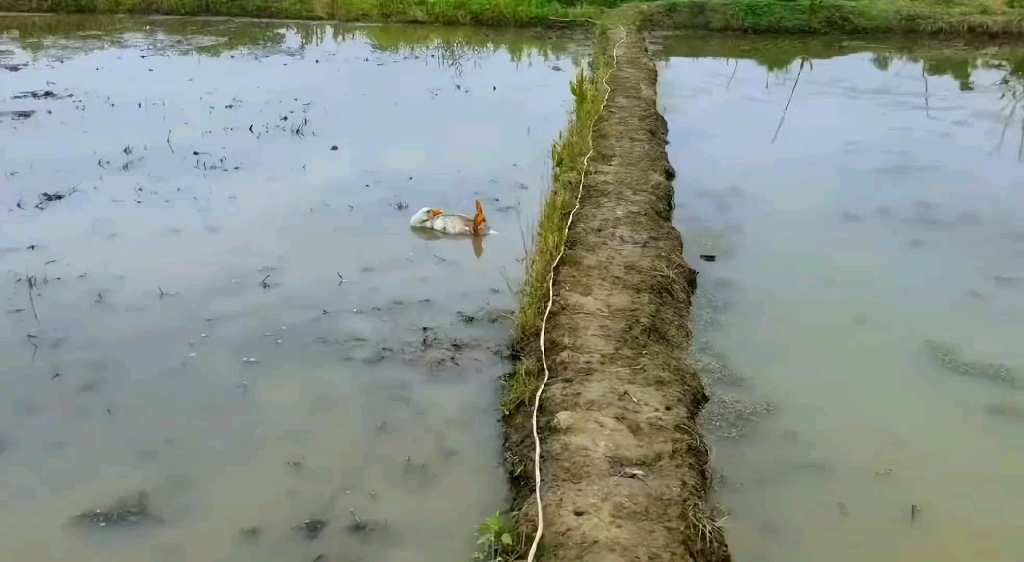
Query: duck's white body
<point x="451" y="223"/>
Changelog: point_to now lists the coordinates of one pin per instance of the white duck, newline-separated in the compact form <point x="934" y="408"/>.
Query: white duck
<point x="451" y="223"/>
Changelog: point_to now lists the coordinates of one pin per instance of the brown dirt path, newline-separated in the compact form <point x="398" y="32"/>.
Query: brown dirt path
<point x="625" y="472"/>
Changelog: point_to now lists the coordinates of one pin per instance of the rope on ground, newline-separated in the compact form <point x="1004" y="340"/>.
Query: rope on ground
<point x="551" y="298"/>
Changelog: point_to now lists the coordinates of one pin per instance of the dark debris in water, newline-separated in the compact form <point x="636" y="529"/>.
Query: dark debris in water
<point x="488" y="315"/>
<point x="310" y="529"/>
<point x="46" y="197"/>
<point x="126" y="511"/>
<point x="250" y="533"/>
<point x="1006" y="282"/>
<point x="16" y="115"/>
<point x="39" y="95"/>
<point x="365" y="527"/>
<point x="948" y="357"/>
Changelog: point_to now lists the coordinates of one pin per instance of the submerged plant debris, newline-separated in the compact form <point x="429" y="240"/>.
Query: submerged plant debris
<point x="21" y="115"/>
<point x="40" y="95"/>
<point x="310" y="529"/>
<point x="129" y="510"/>
<point x="948" y="357"/>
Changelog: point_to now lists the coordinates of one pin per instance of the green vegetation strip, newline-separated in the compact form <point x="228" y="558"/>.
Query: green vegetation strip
<point x="468" y="12"/>
<point x="957" y="17"/>
<point x="961" y="17"/>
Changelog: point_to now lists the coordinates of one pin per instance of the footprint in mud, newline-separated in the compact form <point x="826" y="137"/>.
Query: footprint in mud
<point x="948" y="357"/>
<point x="1007" y="411"/>
<point x="851" y="217"/>
<point x="366" y="529"/>
<point x="91" y="386"/>
<point x="6" y="445"/>
<point x="928" y="221"/>
<point x="1007" y="282"/>
<point x="26" y="409"/>
<point x="1015" y="237"/>
<point x="147" y="455"/>
<point x="967" y="218"/>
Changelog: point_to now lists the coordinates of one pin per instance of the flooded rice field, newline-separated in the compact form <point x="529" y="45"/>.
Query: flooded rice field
<point x="856" y="211"/>
<point x="220" y="339"/>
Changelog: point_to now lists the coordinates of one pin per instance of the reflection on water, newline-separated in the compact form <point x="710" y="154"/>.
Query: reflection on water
<point x="219" y="338"/>
<point x="858" y="326"/>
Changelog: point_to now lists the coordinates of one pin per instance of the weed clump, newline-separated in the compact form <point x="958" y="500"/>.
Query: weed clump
<point x="496" y="540"/>
<point x="568" y="156"/>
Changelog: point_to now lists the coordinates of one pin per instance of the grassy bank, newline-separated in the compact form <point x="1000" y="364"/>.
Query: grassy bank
<point x="961" y="17"/>
<point x="569" y="154"/>
<point x="957" y="17"/>
<point x="476" y="12"/>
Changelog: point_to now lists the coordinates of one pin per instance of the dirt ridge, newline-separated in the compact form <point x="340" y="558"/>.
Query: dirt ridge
<point x="625" y="471"/>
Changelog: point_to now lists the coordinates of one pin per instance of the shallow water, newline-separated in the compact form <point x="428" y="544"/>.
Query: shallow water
<point x="227" y="307"/>
<point x="858" y="323"/>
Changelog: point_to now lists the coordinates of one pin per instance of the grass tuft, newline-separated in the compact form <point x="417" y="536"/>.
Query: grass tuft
<point x="497" y="540"/>
<point x="567" y="155"/>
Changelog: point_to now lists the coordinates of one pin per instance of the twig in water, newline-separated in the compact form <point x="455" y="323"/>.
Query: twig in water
<point x="439" y="259"/>
<point x="31" y="285"/>
<point x="927" y="107"/>
<point x="169" y="141"/>
<point x="264" y="283"/>
<point x="734" y="68"/>
<point x="1006" y="126"/>
<point x="340" y="278"/>
<point x="522" y="230"/>
<point x="803" y="60"/>
<point x="1020" y="147"/>
<point x="35" y="348"/>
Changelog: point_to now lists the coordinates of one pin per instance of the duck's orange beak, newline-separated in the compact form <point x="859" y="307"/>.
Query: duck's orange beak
<point x="434" y="213"/>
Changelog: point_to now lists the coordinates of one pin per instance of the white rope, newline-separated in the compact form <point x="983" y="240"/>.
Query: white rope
<point x="551" y="298"/>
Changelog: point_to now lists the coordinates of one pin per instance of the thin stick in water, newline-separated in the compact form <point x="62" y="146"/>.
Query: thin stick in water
<point x="31" y="284"/>
<point x="790" y="100"/>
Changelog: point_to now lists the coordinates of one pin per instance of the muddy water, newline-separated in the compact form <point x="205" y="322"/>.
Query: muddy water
<point x="860" y="323"/>
<point x="212" y="296"/>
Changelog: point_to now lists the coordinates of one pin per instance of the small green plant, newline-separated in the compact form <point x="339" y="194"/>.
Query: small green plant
<point x="497" y="540"/>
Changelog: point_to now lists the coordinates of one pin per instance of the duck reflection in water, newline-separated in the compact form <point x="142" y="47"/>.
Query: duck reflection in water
<point x="476" y="241"/>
